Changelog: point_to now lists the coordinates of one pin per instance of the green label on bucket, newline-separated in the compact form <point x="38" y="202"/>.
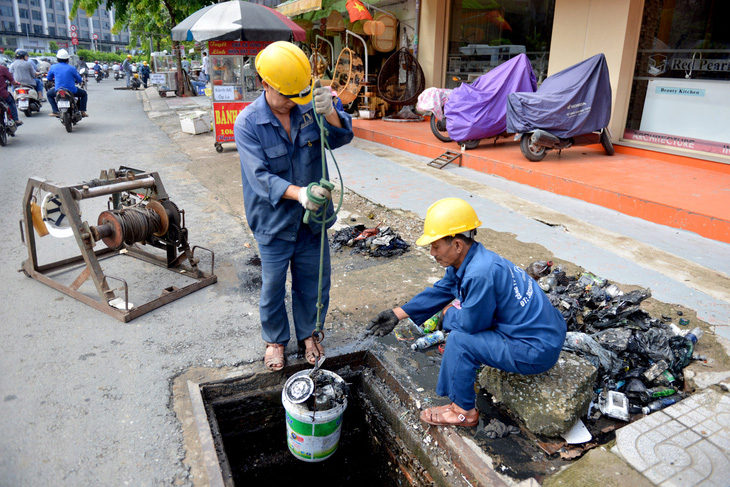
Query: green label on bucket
<point x="305" y="429"/>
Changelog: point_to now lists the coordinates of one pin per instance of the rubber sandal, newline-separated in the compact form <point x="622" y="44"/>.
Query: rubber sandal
<point x="436" y="416"/>
<point x="312" y="350"/>
<point x="274" y="358"/>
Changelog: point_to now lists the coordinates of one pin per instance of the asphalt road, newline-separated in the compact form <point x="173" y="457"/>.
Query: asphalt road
<point x="85" y="398"/>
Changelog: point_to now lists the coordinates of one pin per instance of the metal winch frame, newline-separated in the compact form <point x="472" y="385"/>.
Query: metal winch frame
<point x="171" y="237"/>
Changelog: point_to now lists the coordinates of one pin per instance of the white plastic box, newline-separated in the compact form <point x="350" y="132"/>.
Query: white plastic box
<point x="197" y="122"/>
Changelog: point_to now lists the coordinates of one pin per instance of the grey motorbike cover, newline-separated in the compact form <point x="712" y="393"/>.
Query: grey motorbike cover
<point x="575" y="101"/>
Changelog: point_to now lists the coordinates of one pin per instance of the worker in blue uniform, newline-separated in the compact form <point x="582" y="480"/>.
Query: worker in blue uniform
<point x="279" y="144"/>
<point x="496" y="314"/>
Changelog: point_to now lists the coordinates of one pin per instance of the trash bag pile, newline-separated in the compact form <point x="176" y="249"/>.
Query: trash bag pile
<point x="375" y="242"/>
<point x="639" y="358"/>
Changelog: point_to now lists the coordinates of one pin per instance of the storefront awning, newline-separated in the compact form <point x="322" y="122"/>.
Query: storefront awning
<point x="296" y="7"/>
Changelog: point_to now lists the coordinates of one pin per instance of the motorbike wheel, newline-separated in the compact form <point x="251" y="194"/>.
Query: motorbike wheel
<point x="28" y="112"/>
<point x="532" y="152"/>
<point x="606" y="142"/>
<point x="470" y="144"/>
<point x="439" y="129"/>
<point x="3" y="132"/>
<point x="67" y="121"/>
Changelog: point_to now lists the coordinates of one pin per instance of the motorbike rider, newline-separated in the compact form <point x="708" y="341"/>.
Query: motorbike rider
<point x="43" y="67"/>
<point x="66" y="77"/>
<point x="24" y="72"/>
<point x="127" y="68"/>
<point x="144" y="73"/>
<point x="7" y="77"/>
<point x="97" y="69"/>
<point x="115" y="69"/>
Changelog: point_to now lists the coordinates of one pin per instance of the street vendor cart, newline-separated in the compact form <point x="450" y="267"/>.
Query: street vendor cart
<point x="234" y="83"/>
<point x="164" y="70"/>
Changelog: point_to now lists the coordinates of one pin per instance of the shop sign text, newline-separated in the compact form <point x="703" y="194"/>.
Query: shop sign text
<point x="688" y="64"/>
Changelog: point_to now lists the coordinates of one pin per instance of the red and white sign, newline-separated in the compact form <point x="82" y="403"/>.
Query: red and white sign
<point x="75" y="41"/>
<point x="72" y="28"/>
<point x="225" y="116"/>
<point x="62" y="44"/>
<point x="74" y="34"/>
<point x="95" y="36"/>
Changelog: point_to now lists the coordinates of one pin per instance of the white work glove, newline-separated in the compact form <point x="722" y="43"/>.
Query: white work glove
<point x="322" y="96"/>
<point x="316" y="190"/>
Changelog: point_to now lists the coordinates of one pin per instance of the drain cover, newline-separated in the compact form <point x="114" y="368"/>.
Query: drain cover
<point x="299" y="389"/>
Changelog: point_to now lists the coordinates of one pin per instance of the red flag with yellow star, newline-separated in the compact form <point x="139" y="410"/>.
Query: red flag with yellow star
<point x="357" y="11"/>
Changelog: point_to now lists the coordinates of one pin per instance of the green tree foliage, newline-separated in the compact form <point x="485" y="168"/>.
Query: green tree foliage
<point x="53" y="46"/>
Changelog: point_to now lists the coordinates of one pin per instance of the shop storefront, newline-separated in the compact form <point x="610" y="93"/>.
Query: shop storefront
<point x="485" y="33"/>
<point x="680" y="95"/>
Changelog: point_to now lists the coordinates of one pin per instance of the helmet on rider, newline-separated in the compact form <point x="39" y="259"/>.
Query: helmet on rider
<point x="96" y="62"/>
<point x="62" y="55"/>
<point x="446" y="218"/>
<point x="20" y="54"/>
<point x="286" y="68"/>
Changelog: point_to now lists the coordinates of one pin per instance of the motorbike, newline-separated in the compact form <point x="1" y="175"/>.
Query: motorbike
<point x="84" y="72"/>
<point x="27" y="99"/>
<point x="99" y="76"/>
<point x="7" y="125"/>
<point x="116" y="76"/>
<point x="70" y="114"/>
<point x="570" y="108"/>
<point x="477" y="110"/>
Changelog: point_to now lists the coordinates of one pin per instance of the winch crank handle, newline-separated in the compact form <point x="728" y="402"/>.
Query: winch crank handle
<point x="318" y="336"/>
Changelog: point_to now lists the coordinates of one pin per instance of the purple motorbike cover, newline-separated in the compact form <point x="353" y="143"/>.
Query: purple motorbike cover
<point x="575" y="101"/>
<point x="477" y="110"/>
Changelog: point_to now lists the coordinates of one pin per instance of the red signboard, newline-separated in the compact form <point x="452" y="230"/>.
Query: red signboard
<point x="75" y="41"/>
<point x="225" y="116"/>
<point x="74" y="34"/>
<point x="236" y="48"/>
<point x="95" y="36"/>
<point x="62" y="44"/>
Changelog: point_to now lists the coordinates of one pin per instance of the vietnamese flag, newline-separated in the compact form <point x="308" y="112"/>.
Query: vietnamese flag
<point x="357" y="11"/>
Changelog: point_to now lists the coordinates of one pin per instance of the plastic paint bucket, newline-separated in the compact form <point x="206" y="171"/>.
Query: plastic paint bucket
<point x="312" y="436"/>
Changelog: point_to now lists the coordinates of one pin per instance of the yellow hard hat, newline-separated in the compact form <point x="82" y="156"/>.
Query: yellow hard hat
<point x="446" y="218"/>
<point x="286" y="69"/>
<point x="144" y="63"/>
<point x="129" y="56"/>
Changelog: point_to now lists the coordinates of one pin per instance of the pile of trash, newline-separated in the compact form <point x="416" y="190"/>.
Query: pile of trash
<point x="640" y="359"/>
<point x="375" y="242"/>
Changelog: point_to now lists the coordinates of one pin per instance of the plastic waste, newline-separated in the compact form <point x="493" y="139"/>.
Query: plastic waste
<point x="592" y="351"/>
<point x="433" y="323"/>
<point x="538" y="269"/>
<point x="654" y="344"/>
<point x="615" y="405"/>
<point x="613" y="291"/>
<point x="695" y="334"/>
<point x="547" y="283"/>
<point x="660" y="404"/>
<point x="429" y="340"/>
<point x="588" y="279"/>
<point x="655" y="370"/>
<point x="407" y="330"/>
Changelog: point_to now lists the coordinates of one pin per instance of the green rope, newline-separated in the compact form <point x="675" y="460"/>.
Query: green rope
<point x="321" y="215"/>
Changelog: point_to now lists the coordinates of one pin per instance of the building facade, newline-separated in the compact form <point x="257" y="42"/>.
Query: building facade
<point x="33" y="24"/>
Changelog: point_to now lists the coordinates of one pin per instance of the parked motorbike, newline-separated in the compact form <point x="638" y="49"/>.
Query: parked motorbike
<point x="570" y="108"/>
<point x="477" y="110"/>
<point x="7" y="125"/>
<point x="68" y="106"/>
<point x="27" y="99"/>
<point x="99" y="76"/>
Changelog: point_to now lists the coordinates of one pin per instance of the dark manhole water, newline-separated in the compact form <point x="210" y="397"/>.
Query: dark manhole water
<point x="247" y="423"/>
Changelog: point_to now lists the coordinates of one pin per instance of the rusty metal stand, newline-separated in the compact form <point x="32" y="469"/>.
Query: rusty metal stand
<point x="112" y="183"/>
<point x="445" y="159"/>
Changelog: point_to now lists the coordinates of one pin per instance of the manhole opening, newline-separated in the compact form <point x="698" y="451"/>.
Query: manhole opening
<point x="247" y="424"/>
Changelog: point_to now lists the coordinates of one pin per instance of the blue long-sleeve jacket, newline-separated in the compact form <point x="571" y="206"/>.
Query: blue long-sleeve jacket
<point x="271" y="162"/>
<point x="66" y="76"/>
<point x="495" y="295"/>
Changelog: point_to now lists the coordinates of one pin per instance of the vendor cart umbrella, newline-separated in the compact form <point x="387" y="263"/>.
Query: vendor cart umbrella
<point x="237" y="21"/>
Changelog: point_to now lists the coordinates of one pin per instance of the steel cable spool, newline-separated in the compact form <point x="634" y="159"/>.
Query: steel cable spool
<point x="131" y="225"/>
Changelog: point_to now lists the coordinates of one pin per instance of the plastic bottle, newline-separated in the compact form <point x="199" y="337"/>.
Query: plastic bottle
<point x="695" y="334"/>
<point x="661" y="404"/>
<point x="655" y="370"/>
<point x="431" y="324"/>
<point x="429" y="340"/>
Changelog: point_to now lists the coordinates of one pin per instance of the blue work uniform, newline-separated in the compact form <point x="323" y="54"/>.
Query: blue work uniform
<point x="270" y="163"/>
<point x="505" y="321"/>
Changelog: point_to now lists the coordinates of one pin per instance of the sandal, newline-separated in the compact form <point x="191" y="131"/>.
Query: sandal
<point x="274" y="358"/>
<point x="312" y="350"/>
<point x="447" y="416"/>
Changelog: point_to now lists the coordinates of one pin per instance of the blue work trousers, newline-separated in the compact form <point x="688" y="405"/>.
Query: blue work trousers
<point x="465" y="352"/>
<point x="303" y="257"/>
